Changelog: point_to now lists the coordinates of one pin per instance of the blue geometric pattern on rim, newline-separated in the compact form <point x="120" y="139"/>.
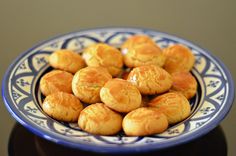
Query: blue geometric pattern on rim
<point x="22" y="96"/>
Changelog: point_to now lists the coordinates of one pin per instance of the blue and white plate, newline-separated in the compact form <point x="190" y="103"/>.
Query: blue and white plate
<point x="22" y="97"/>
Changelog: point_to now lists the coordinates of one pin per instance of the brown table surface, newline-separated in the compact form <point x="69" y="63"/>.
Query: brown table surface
<point x="210" y="24"/>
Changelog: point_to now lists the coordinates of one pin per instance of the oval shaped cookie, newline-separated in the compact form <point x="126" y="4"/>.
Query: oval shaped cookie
<point x="66" y="60"/>
<point x="120" y="95"/>
<point x="144" y="121"/>
<point x="185" y="83"/>
<point x="56" y="81"/>
<point x="103" y="55"/>
<point x="62" y="106"/>
<point x="136" y="40"/>
<point x="150" y="79"/>
<point x="87" y="83"/>
<point x="178" y="58"/>
<point x="144" y="54"/>
<point x="174" y="105"/>
<point x="99" y="119"/>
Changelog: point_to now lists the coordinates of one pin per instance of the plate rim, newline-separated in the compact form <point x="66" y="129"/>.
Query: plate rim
<point x="122" y="149"/>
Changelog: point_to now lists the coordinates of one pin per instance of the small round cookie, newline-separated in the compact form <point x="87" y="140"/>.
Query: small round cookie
<point x="185" y="83"/>
<point x="62" y="106"/>
<point x="136" y="40"/>
<point x="178" y="58"/>
<point x="103" y="55"/>
<point x="144" y="54"/>
<point x="150" y="79"/>
<point x="144" y="121"/>
<point x="174" y="105"/>
<point x="99" y="119"/>
<point x="56" y="81"/>
<point x="120" y="95"/>
<point x="66" y="60"/>
<point x="87" y="82"/>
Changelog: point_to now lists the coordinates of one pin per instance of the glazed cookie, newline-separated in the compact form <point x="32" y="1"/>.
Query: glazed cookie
<point x="144" y="121"/>
<point x="185" y="83"/>
<point x="174" y="105"/>
<point x="56" y="81"/>
<point x="141" y="50"/>
<point x="136" y="40"/>
<point x="178" y="58"/>
<point x="143" y="54"/>
<point x="87" y="82"/>
<point x="99" y="119"/>
<point x="66" y="60"/>
<point x="62" y="106"/>
<point x="120" y="95"/>
<point x="105" y="56"/>
<point x="150" y="79"/>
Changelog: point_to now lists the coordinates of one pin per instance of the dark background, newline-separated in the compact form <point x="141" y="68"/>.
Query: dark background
<point x="208" y="23"/>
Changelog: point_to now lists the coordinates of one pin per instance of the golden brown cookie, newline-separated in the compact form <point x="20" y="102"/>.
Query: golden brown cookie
<point x="136" y="40"/>
<point x="103" y="55"/>
<point x="143" y="54"/>
<point x="141" y="50"/>
<point x="120" y="95"/>
<point x="178" y="58"/>
<point x="144" y="121"/>
<point x="56" y="81"/>
<point x="87" y="82"/>
<point x="174" y="105"/>
<point x="99" y="119"/>
<point x="62" y="106"/>
<point x="66" y="60"/>
<point x="185" y="83"/>
<point x="150" y="79"/>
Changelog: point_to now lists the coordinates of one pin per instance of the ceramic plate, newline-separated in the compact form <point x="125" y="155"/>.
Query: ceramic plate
<point x="22" y="97"/>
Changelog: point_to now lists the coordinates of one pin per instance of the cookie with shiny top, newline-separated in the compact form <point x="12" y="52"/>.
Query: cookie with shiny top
<point x="56" y="81"/>
<point x="137" y="40"/>
<point x="150" y="79"/>
<point x="87" y="83"/>
<point x="140" y="50"/>
<point x="100" y="119"/>
<point x="62" y="106"/>
<point x="144" y="54"/>
<point x="104" y="55"/>
<point x="185" y="83"/>
<point x="174" y="105"/>
<point x="120" y="95"/>
<point x="66" y="60"/>
<point x="144" y="121"/>
<point x="178" y="58"/>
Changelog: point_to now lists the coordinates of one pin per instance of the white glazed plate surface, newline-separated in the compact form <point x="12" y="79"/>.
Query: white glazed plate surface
<point x="20" y="91"/>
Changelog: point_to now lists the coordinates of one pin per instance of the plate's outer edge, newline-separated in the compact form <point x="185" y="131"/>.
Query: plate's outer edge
<point x="121" y="149"/>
